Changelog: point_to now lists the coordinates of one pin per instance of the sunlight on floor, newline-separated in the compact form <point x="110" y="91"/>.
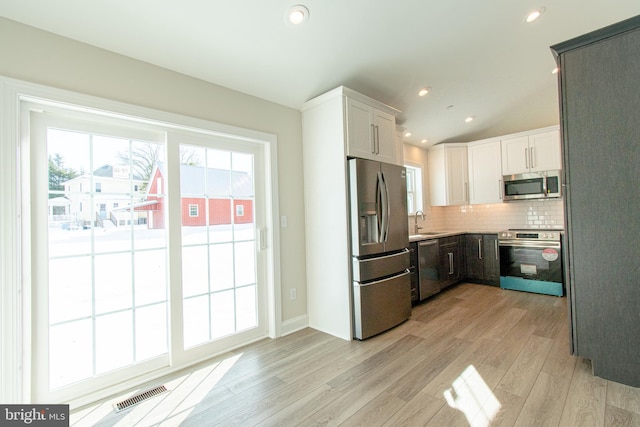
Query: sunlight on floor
<point x="471" y="395"/>
<point x="184" y="409"/>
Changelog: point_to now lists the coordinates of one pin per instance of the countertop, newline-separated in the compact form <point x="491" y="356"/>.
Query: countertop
<point x="425" y="235"/>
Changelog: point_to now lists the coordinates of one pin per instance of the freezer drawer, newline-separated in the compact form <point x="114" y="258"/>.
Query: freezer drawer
<point x="380" y="266"/>
<point x="381" y="305"/>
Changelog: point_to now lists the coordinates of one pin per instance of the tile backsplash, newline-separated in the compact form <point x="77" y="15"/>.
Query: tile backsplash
<point x="521" y="214"/>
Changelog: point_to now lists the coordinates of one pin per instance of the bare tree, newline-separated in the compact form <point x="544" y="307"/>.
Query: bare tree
<point x="143" y="157"/>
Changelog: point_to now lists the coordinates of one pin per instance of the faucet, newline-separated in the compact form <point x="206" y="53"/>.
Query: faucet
<point x="415" y="224"/>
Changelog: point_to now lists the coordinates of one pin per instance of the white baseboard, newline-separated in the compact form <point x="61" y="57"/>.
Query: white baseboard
<point x="293" y="325"/>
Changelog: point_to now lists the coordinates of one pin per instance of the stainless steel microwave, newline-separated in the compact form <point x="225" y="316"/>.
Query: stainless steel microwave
<point x="532" y="185"/>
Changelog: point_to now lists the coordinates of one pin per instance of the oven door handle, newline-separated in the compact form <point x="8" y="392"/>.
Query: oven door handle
<point x="521" y="244"/>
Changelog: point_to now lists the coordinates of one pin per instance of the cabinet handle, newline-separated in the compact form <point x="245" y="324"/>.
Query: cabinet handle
<point x="373" y="139"/>
<point x="526" y="158"/>
<point x="450" y="262"/>
<point x="377" y="139"/>
<point x="532" y="157"/>
<point x="495" y="246"/>
<point x="479" y="248"/>
<point x="500" y="189"/>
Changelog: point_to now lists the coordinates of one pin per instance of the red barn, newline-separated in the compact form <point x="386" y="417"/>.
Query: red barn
<point x="224" y="192"/>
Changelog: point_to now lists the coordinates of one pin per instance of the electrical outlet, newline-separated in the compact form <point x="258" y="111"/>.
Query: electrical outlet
<point x="293" y="294"/>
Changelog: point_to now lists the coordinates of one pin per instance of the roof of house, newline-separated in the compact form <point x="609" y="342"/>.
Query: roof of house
<point x="199" y="181"/>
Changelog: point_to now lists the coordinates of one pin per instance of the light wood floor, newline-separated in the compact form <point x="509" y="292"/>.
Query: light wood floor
<point x="473" y="355"/>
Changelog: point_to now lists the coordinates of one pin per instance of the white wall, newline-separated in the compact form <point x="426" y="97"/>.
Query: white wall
<point x="37" y="56"/>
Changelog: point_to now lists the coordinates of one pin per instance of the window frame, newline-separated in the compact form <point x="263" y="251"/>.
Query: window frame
<point x="417" y="171"/>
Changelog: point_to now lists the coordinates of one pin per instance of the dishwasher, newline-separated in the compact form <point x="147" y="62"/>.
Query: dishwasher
<point x="428" y="267"/>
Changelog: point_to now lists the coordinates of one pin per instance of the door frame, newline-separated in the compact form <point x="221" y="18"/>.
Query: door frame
<point x="15" y="221"/>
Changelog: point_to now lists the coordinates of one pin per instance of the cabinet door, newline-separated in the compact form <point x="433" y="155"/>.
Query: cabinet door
<point x="474" y="248"/>
<point x="451" y="264"/>
<point x="360" y="141"/>
<point x="491" y="259"/>
<point x="544" y="151"/>
<point x="384" y="133"/>
<point x="458" y="263"/>
<point x="515" y="155"/>
<point x="370" y="132"/>
<point x="485" y="173"/>
<point x="457" y="175"/>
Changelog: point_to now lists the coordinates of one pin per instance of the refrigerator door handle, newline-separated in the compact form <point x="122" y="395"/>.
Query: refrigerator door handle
<point x="386" y="208"/>
<point x="401" y="274"/>
<point x="380" y="207"/>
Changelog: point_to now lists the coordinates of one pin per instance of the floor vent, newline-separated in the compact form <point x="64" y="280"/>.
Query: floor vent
<point x="141" y="397"/>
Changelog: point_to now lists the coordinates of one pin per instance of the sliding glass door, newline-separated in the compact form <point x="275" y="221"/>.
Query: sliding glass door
<point x="144" y="249"/>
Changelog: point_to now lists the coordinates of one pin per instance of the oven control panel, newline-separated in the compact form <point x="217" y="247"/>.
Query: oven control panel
<point x="548" y="235"/>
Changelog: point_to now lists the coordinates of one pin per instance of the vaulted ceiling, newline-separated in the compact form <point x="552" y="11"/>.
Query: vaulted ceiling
<point x="479" y="58"/>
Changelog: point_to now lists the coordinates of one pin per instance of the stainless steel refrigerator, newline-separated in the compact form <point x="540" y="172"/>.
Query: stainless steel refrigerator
<point x="379" y="246"/>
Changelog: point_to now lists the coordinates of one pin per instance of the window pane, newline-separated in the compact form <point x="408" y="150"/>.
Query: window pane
<point x="219" y="159"/>
<point x="246" y="303"/>
<point x="196" y="321"/>
<point x="221" y="263"/>
<point x="69" y="294"/>
<point x="151" y="331"/>
<point x="150" y="276"/>
<point x="414" y="188"/>
<point x="242" y="177"/>
<point x="195" y="271"/>
<point x="113" y="282"/>
<point x="70" y="352"/>
<point x="245" y="267"/>
<point x="222" y="314"/>
<point x="114" y="341"/>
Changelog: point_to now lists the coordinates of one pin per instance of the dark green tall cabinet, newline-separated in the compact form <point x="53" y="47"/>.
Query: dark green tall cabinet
<point x="599" y="83"/>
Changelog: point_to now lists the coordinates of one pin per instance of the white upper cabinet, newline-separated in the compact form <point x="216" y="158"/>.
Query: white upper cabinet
<point x="485" y="172"/>
<point x="370" y="132"/>
<point x="531" y="153"/>
<point x="448" y="175"/>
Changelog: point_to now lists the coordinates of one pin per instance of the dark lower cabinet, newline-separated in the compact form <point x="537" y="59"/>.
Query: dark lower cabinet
<point x="439" y="263"/>
<point x="413" y="249"/>
<point x="483" y="258"/>
<point x="452" y="264"/>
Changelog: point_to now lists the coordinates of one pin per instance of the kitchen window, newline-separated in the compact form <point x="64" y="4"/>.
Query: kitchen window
<point x="414" y="188"/>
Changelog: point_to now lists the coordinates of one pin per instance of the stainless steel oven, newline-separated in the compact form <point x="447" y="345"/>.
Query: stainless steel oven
<point x="531" y="261"/>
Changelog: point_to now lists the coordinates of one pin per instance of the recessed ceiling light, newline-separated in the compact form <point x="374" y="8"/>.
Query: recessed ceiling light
<point x="555" y="70"/>
<point x="424" y="141"/>
<point x="424" y="91"/>
<point x="469" y="119"/>
<point x="298" y="14"/>
<point x="534" y="14"/>
<point x="407" y="134"/>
